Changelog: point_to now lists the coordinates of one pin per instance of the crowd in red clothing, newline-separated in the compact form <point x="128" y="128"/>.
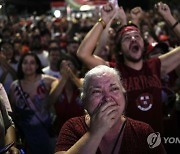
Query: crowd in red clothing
<point x="42" y="72"/>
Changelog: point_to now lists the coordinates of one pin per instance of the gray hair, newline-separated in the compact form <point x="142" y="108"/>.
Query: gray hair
<point x="98" y="70"/>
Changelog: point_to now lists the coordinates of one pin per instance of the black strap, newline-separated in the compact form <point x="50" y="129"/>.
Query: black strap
<point x="118" y="137"/>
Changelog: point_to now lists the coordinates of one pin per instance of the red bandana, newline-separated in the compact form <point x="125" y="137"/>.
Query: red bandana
<point x="126" y="29"/>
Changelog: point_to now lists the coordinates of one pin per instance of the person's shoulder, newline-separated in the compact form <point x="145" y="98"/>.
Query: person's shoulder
<point x="75" y="120"/>
<point x="75" y="123"/>
<point x="14" y="83"/>
<point x="152" y="60"/>
<point x="137" y="122"/>
<point x="139" y="125"/>
<point x="153" y="63"/>
<point x="48" y="77"/>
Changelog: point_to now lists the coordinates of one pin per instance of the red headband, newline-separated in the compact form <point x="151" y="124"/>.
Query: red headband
<point x="126" y="29"/>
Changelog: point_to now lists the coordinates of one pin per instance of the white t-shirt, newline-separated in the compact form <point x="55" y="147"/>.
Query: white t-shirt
<point x="44" y="58"/>
<point x="56" y="74"/>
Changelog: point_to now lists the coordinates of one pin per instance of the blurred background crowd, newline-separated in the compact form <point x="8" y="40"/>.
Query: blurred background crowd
<point x="53" y="31"/>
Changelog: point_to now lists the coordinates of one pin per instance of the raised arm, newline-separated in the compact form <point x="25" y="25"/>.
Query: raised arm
<point x="170" y="61"/>
<point x="57" y="87"/>
<point x="88" y="45"/>
<point x="119" y="16"/>
<point x="164" y="10"/>
<point x="136" y="15"/>
<point x="77" y="81"/>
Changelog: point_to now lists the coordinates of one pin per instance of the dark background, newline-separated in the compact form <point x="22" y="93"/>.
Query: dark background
<point x="146" y="4"/>
<point x="42" y="6"/>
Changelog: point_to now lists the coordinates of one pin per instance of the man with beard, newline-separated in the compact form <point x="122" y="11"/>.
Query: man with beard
<point x="141" y="78"/>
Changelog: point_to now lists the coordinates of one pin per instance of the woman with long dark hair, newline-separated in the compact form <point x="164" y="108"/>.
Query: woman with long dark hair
<point x="29" y="98"/>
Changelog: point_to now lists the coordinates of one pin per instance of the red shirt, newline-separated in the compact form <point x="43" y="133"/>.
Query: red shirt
<point x="143" y="92"/>
<point x="134" y="137"/>
<point x="66" y="110"/>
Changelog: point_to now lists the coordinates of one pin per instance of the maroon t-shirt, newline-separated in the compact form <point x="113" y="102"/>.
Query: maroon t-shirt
<point x="66" y="110"/>
<point x="134" y="137"/>
<point x="143" y="92"/>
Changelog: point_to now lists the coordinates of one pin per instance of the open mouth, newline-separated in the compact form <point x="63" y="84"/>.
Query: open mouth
<point x="134" y="48"/>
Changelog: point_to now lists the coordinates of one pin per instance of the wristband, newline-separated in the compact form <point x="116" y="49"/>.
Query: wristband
<point x="175" y="24"/>
<point x="102" y="23"/>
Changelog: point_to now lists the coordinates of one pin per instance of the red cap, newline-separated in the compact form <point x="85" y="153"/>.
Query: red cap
<point x="163" y="37"/>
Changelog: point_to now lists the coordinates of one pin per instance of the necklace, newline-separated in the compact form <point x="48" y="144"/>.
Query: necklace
<point x="114" y="147"/>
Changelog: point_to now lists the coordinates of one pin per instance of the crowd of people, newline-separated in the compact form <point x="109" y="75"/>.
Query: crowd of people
<point x="90" y="85"/>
